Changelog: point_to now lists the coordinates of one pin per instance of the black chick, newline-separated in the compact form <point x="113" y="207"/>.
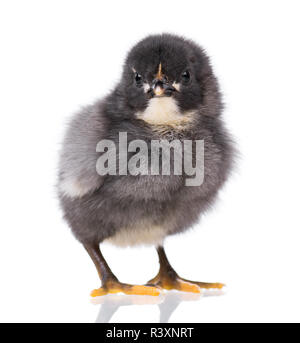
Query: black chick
<point x="167" y="92"/>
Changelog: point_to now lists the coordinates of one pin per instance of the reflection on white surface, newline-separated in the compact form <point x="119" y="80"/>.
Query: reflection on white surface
<point x="166" y="302"/>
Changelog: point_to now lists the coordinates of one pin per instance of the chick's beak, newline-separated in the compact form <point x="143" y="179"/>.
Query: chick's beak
<point x="160" y="88"/>
<point x="160" y="85"/>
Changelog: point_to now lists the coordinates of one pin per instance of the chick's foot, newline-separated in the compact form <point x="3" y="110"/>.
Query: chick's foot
<point x="118" y="287"/>
<point x="171" y="281"/>
<point x="168" y="279"/>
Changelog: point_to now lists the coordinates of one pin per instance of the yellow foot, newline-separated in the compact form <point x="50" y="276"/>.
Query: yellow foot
<point x="118" y="287"/>
<point x="181" y="285"/>
<point x="173" y="281"/>
<point x="207" y="285"/>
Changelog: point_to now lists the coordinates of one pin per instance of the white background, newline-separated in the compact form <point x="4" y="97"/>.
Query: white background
<point x="59" y="55"/>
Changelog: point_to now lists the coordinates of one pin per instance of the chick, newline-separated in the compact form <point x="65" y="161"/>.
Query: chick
<point x="167" y="92"/>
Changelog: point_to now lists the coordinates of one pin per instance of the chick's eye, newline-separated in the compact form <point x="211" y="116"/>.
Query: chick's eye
<point x="138" y="78"/>
<point x="185" y="76"/>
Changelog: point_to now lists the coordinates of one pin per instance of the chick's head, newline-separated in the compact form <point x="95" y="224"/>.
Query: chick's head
<point x="166" y="66"/>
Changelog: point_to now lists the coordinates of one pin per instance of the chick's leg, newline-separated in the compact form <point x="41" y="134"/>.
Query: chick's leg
<point x="168" y="279"/>
<point x="110" y="284"/>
